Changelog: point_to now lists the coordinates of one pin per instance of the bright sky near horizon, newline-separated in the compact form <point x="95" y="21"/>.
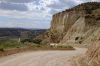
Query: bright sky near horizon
<point x="32" y="13"/>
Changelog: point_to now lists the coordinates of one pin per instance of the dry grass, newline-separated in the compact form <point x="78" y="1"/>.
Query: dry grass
<point x="33" y="47"/>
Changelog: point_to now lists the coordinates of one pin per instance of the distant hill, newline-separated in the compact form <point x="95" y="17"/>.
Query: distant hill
<point x="20" y="32"/>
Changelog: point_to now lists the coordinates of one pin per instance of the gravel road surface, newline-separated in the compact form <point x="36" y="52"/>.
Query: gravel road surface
<point x="42" y="58"/>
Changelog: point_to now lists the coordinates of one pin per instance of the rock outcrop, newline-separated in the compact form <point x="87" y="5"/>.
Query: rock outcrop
<point x="93" y="54"/>
<point x="79" y="25"/>
<point x="91" y="58"/>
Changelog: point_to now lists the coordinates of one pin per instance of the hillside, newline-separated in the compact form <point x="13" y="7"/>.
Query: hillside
<point x="19" y="32"/>
<point x="78" y="25"/>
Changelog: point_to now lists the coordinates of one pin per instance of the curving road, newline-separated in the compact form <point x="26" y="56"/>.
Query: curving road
<point x="41" y="58"/>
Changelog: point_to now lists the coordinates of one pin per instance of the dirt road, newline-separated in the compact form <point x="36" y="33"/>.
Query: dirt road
<point x="41" y="58"/>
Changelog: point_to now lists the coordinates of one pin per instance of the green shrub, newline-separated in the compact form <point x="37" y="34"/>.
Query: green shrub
<point x="6" y="44"/>
<point x="2" y="49"/>
<point x="37" y="41"/>
<point x="26" y="40"/>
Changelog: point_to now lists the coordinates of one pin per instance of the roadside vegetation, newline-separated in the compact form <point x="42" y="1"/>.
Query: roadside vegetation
<point x="11" y="44"/>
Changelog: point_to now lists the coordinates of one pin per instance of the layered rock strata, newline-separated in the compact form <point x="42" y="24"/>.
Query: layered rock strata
<point x="76" y="25"/>
<point x="79" y="25"/>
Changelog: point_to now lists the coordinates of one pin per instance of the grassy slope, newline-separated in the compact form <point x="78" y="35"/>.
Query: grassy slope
<point x="10" y="43"/>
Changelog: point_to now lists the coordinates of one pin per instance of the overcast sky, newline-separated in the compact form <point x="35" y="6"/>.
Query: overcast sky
<point x="32" y="13"/>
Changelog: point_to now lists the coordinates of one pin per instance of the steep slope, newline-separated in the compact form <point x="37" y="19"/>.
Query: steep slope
<point x="78" y="25"/>
<point x="81" y="32"/>
<point x="93" y="54"/>
<point x="74" y="26"/>
<point x="75" y="31"/>
<point x="91" y="58"/>
<point x="61" y="23"/>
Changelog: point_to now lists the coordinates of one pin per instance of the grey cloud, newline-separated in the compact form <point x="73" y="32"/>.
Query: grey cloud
<point x="98" y="0"/>
<point x="17" y="1"/>
<point x="62" y="4"/>
<point x="87" y="0"/>
<point x="12" y="6"/>
<point x="52" y="11"/>
<point x="37" y="2"/>
<point x="42" y="8"/>
<point x="90" y="0"/>
<point x="56" y="6"/>
<point x="69" y="3"/>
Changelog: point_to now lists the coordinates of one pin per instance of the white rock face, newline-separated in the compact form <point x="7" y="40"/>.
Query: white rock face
<point x="79" y="25"/>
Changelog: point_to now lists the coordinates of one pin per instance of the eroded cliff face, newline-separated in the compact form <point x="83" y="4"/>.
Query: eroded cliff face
<point x="78" y="25"/>
<point x="91" y="58"/>
<point x="93" y="54"/>
<point x="61" y="23"/>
